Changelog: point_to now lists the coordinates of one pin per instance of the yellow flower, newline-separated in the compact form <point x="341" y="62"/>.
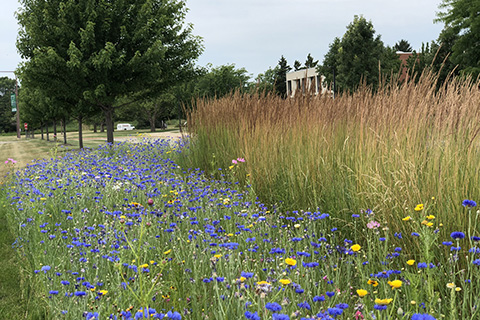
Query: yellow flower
<point x="43" y="199"/>
<point x="262" y="282"/>
<point x="407" y="218"/>
<point x="411" y="262"/>
<point x="413" y="302"/>
<point x="429" y="224"/>
<point x="383" y="301"/>
<point x="290" y="261"/>
<point x="230" y="235"/>
<point x="395" y="284"/>
<point x="167" y="252"/>
<point x="372" y="282"/>
<point x="419" y="207"/>
<point x="356" y="247"/>
<point x="231" y="167"/>
<point x="425" y="222"/>
<point x="103" y="292"/>
<point x="241" y="279"/>
<point x="218" y="256"/>
<point x="458" y="289"/>
<point x="451" y="285"/>
<point x="362" y="293"/>
<point x="144" y="266"/>
<point x="285" y="281"/>
<point x="430" y="217"/>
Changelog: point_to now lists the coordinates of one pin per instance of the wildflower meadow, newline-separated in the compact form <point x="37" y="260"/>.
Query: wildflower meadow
<point x="127" y="231"/>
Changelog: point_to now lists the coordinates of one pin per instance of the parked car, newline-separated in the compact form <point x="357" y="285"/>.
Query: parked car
<point x="125" y="126"/>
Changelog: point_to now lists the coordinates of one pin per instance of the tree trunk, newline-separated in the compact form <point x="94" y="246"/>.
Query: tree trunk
<point x="41" y="129"/>
<point x="55" y="130"/>
<point x="108" y="111"/>
<point x="80" y="137"/>
<point x="64" y="124"/>
<point x="95" y="127"/>
<point x="102" y="126"/>
<point x="152" y="123"/>
<point x="48" y="137"/>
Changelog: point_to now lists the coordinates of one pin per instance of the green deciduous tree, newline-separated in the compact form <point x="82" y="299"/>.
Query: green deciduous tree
<point x="97" y="51"/>
<point x="222" y="80"/>
<point x="7" y="117"/>
<point x="462" y="24"/>
<point x="266" y="82"/>
<point x="358" y="55"/>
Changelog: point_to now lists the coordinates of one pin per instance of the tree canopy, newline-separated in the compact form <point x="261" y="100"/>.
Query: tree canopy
<point x="462" y="23"/>
<point x="7" y="117"/>
<point x="221" y="80"/>
<point x="403" y="45"/>
<point x="93" y="52"/>
<point x="358" y="55"/>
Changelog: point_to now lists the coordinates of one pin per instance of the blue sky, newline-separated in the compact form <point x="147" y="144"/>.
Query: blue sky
<point x="253" y="34"/>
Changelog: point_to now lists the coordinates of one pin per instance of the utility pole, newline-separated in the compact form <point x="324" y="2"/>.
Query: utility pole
<point x="16" y="101"/>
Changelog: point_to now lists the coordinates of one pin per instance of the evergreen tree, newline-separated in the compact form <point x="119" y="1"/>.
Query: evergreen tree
<point x="359" y="55"/>
<point x="281" y="77"/>
<point x="403" y="45"/>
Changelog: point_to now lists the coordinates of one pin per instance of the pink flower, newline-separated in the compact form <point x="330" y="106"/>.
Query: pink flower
<point x="234" y="161"/>
<point x="373" y="225"/>
<point x="240" y="159"/>
<point x="358" y="315"/>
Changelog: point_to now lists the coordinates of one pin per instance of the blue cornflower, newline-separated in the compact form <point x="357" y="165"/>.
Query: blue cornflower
<point x="45" y="268"/>
<point x="457" y="235"/>
<point x="421" y="265"/>
<point x="415" y="234"/>
<point x="304" y="305"/>
<point x="380" y="307"/>
<point x="53" y="292"/>
<point x="252" y="316"/>
<point x="174" y="315"/>
<point x="342" y="306"/>
<point x="330" y="294"/>
<point x="475" y="238"/>
<point x="80" y="293"/>
<point x="422" y="316"/>
<point x="334" y="312"/>
<point x="318" y="298"/>
<point x="273" y="306"/>
<point x="92" y="316"/>
<point x="476" y="262"/>
<point x="280" y="316"/>
<point x="469" y="203"/>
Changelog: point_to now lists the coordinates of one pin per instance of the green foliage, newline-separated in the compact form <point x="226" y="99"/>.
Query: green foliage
<point x="7" y="117"/>
<point x="462" y="23"/>
<point x="358" y="56"/>
<point x="222" y="80"/>
<point x="92" y="52"/>
<point x="267" y="82"/>
<point x="281" y="77"/>
<point x="310" y="63"/>
<point x="403" y="45"/>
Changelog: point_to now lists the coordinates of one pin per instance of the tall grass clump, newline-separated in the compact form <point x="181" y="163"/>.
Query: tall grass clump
<point x="386" y="150"/>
